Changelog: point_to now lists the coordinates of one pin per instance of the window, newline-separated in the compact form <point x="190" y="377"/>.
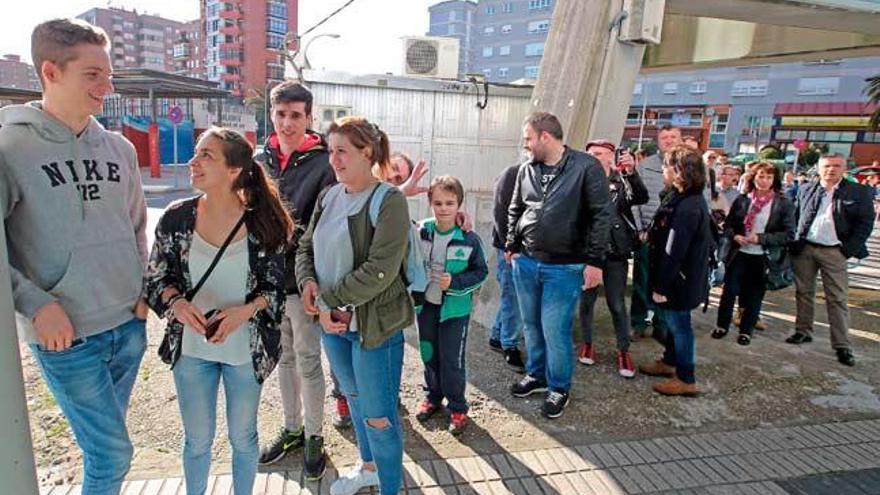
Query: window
<point x="490" y="10"/>
<point x="489" y="30"/>
<point x="531" y="72"/>
<point x="783" y="135"/>
<point x="698" y="87"/>
<point x="811" y="86"/>
<point x="719" y="123"/>
<point x="872" y="137"/>
<point x="507" y="7"/>
<point x="535" y="49"/>
<point x="504" y="50"/>
<point x="540" y="4"/>
<point x="487" y="72"/>
<point x="541" y="26"/>
<point x="452" y="16"/>
<point x="274" y="25"/>
<point x="751" y="87"/>
<point x="503" y="71"/>
<point x="487" y="51"/>
<point x="506" y="29"/>
<point x="638" y="88"/>
<point x="450" y="29"/>
<point x="670" y="88"/>
<point x="278" y="10"/>
<point x="274" y="41"/>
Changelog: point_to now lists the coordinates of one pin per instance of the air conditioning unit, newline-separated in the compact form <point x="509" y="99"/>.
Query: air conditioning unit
<point x="643" y="22"/>
<point x="428" y="56"/>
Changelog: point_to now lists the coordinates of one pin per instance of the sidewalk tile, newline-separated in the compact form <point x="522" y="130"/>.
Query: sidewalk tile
<point x="559" y="458"/>
<point x="605" y="457"/>
<point x="682" y="474"/>
<point x="721" y="443"/>
<point x="420" y="473"/>
<point x="652" y="472"/>
<point x="488" y="471"/>
<point x="663" y="450"/>
<point x="632" y="457"/>
<point x="577" y="462"/>
<point x="644" y="484"/>
<point x="619" y="457"/>
<point x="589" y="456"/>
<point x="530" y="486"/>
<point x="530" y="461"/>
<point x="622" y="479"/>
<point x="441" y="469"/>
<point x="757" y="470"/>
<point x="587" y="483"/>
<point x="549" y="464"/>
<point x="669" y="475"/>
<point x="518" y="466"/>
<point x="502" y="466"/>
<point x="643" y="451"/>
<point x="719" y="465"/>
<point x="685" y="446"/>
<point x="463" y="471"/>
<point x="708" y="472"/>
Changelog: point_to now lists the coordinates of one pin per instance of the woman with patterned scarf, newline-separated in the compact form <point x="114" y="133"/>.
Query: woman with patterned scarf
<point x="760" y="221"/>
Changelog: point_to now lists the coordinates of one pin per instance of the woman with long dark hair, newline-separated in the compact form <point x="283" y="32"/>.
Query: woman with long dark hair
<point x="349" y="266"/>
<point x="216" y="273"/>
<point x="759" y="224"/>
<point x="680" y="240"/>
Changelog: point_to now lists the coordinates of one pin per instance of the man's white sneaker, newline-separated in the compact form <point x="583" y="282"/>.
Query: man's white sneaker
<point x="352" y="481"/>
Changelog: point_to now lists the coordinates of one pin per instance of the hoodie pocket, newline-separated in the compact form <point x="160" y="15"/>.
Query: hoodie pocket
<point x="100" y="277"/>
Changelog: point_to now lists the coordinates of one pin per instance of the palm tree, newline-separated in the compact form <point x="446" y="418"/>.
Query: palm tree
<point x="873" y="91"/>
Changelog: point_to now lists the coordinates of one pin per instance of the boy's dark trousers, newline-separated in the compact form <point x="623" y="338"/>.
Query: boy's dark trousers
<point x="443" y="348"/>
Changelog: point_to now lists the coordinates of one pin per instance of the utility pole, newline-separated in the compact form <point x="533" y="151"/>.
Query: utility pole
<point x="587" y="75"/>
<point x="17" y="470"/>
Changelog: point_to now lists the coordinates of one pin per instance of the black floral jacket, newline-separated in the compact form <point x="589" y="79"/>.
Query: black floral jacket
<point x="169" y="267"/>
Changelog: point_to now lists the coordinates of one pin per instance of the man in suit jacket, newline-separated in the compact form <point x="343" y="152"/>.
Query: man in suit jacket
<point x="835" y="219"/>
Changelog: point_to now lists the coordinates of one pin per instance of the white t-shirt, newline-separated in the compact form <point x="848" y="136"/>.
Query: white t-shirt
<point x="225" y="287"/>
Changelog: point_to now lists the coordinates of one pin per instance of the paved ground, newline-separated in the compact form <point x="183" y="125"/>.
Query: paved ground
<point x="838" y="458"/>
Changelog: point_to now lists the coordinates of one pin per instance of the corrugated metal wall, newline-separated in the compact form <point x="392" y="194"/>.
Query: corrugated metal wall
<point x="455" y="137"/>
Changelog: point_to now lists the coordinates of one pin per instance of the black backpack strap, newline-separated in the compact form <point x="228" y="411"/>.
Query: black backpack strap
<point x="192" y="292"/>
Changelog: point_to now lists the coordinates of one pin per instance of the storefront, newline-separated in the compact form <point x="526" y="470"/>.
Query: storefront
<point x="842" y="127"/>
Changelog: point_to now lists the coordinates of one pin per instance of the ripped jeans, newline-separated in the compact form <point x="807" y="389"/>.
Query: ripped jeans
<point x="370" y="380"/>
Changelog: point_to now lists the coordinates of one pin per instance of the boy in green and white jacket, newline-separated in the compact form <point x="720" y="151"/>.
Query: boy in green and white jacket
<point x="457" y="268"/>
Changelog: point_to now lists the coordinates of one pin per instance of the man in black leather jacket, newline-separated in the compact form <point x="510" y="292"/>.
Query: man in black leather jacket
<point x="557" y="238"/>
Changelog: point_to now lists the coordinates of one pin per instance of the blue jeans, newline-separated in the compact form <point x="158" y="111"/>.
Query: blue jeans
<point x="92" y="382"/>
<point x="548" y="295"/>
<point x="680" y="346"/>
<point x="370" y="380"/>
<point x="507" y="322"/>
<point x="197" y="381"/>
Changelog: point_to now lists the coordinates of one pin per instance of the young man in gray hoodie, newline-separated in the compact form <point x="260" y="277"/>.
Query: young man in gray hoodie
<point x="75" y="218"/>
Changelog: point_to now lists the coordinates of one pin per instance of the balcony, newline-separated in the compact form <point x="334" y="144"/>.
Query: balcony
<point x="234" y="45"/>
<point x="233" y="14"/>
<point x="230" y="77"/>
<point x="230" y="62"/>
<point x="233" y="30"/>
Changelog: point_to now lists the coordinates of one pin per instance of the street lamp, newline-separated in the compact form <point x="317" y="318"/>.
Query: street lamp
<point x="306" y="64"/>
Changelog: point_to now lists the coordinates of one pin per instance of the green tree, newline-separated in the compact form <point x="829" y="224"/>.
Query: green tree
<point x="873" y="91"/>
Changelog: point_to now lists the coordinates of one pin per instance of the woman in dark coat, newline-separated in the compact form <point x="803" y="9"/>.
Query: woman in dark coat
<point x="760" y="224"/>
<point x="680" y="240"/>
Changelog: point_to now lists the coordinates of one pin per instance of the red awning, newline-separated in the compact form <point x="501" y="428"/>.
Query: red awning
<point x="825" y="108"/>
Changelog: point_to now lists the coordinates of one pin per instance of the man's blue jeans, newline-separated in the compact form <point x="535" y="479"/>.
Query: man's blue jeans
<point x="197" y="381"/>
<point x="680" y="346"/>
<point x="92" y="382"/>
<point x="548" y="295"/>
<point x="506" y="328"/>
<point x="370" y="380"/>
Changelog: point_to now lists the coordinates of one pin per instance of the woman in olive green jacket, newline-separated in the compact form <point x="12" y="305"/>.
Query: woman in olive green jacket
<point x="349" y="264"/>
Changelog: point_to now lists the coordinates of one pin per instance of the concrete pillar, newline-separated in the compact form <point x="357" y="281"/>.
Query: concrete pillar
<point x="17" y="470"/>
<point x="587" y="75"/>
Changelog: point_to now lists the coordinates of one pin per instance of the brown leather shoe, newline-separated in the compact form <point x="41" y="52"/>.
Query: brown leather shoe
<point x="657" y="368"/>
<point x="676" y="387"/>
<point x="759" y="325"/>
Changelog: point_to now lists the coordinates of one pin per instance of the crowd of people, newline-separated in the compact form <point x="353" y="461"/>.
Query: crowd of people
<point x="309" y="245"/>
